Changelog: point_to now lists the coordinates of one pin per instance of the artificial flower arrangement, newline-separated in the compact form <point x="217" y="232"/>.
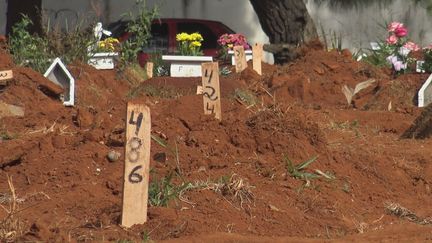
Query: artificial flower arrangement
<point x="228" y="41"/>
<point x="109" y="44"/>
<point x="190" y="44"/>
<point x="399" y="47"/>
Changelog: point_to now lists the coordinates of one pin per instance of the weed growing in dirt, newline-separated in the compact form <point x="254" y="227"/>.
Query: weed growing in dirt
<point x="235" y="187"/>
<point x="162" y="191"/>
<point x="11" y="226"/>
<point x="298" y="171"/>
<point x="245" y="97"/>
<point x="4" y="135"/>
<point x="332" y="41"/>
<point x="28" y="50"/>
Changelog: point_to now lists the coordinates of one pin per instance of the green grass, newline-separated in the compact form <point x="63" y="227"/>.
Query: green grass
<point x="299" y="171"/>
<point x="162" y="191"/>
<point x="246" y="97"/>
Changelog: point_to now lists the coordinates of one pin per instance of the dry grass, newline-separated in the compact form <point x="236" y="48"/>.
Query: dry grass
<point x="404" y="213"/>
<point x="11" y="226"/>
<point x="234" y="188"/>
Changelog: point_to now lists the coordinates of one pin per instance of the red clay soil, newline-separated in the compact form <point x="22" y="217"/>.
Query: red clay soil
<point x="68" y="191"/>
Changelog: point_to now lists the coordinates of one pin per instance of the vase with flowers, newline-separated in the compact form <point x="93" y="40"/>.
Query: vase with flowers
<point x="190" y="56"/>
<point x="227" y="43"/>
<point x="103" y="53"/>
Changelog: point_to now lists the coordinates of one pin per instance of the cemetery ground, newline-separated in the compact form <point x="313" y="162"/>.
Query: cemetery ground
<point x="241" y="179"/>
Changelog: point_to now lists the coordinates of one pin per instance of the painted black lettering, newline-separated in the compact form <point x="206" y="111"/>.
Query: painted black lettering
<point x="137" y="123"/>
<point x="211" y="95"/>
<point x="134" y="177"/>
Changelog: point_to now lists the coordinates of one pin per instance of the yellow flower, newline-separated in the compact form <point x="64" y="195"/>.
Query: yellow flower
<point x="196" y="37"/>
<point x="195" y="44"/>
<point x="182" y="37"/>
<point x="230" y="45"/>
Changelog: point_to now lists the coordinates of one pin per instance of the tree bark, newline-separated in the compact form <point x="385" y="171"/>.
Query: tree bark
<point x="285" y="22"/>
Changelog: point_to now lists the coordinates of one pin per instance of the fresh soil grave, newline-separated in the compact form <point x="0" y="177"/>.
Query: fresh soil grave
<point x="69" y="191"/>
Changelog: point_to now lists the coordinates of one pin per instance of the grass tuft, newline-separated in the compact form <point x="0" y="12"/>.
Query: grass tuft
<point x="11" y="226"/>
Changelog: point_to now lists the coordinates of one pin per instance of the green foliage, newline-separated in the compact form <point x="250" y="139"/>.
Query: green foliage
<point x="160" y="68"/>
<point x="298" y="171"/>
<point x="140" y="29"/>
<point x="162" y="191"/>
<point x="427" y="65"/>
<point x="379" y="57"/>
<point x="28" y="50"/>
<point x="246" y="97"/>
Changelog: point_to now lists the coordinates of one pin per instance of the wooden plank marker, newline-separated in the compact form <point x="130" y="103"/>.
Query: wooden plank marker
<point x="149" y="69"/>
<point x="257" y="56"/>
<point x="5" y="75"/>
<point x="211" y="89"/>
<point x="240" y="58"/>
<point x="137" y="164"/>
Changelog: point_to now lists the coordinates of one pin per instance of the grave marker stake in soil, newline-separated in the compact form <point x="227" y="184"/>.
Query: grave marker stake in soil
<point x="257" y="55"/>
<point x="149" y="69"/>
<point x="137" y="163"/>
<point x="211" y="89"/>
<point x="240" y="58"/>
<point x="5" y="75"/>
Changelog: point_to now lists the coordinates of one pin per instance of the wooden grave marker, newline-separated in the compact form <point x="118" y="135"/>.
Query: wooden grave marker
<point x="211" y="89"/>
<point x="240" y="58"/>
<point x="5" y="76"/>
<point x="257" y="56"/>
<point x="137" y="165"/>
<point x="149" y="69"/>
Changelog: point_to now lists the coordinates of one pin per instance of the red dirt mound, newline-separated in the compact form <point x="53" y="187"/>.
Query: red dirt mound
<point x="241" y="179"/>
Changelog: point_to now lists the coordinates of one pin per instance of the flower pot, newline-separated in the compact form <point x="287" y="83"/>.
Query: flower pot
<point x="102" y="60"/>
<point x="186" y="66"/>
<point x="248" y="54"/>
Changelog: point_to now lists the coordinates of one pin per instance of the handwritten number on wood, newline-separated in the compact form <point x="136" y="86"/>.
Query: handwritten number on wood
<point x="212" y="108"/>
<point x="208" y="76"/>
<point x="211" y="95"/>
<point x="137" y="123"/>
<point x="134" y="177"/>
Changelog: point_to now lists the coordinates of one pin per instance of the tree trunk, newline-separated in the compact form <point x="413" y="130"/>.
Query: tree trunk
<point x="285" y="22"/>
<point x="31" y="8"/>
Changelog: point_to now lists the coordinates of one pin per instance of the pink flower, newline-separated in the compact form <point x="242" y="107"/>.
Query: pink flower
<point x="392" y="40"/>
<point x="401" y="32"/>
<point x="393" y="26"/>
<point x="411" y="46"/>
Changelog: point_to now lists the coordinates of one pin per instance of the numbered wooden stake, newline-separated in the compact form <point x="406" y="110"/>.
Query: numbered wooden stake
<point x="240" y="58"/>
<point x="5" y="75"/>
<point x="137" y="163"/>
<point x="149" y="69"/>
<point x="257" y="55"/>
<point x="211" y="89"/>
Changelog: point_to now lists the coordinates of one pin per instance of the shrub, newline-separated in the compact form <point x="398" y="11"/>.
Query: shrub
<point x="139" y="28"/>
<point x="28" y="50"/>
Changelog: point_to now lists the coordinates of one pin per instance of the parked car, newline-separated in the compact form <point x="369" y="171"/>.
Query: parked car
<point x="164" y="33"/>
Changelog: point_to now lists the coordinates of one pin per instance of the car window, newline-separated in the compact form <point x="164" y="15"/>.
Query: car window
<point x="158" y="42"/>
<point x="210" y="39"/>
